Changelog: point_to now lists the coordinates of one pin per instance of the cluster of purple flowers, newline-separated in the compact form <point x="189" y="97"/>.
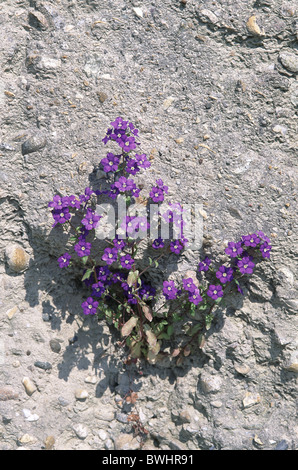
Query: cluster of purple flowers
<point x="158" y="192"/>
<point x="194" y="292"/>
<point x="110" y="162"/>
<point x="101" y="278"/>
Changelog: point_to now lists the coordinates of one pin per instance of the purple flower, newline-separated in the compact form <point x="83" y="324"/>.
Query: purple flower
<point x="265" y="249"/>
<point x="102" y="273"/>
<point x="107" y="136"/>
<point x="113" y="193"/>
<point x="246" y="265"/>
<point x="135" y="191"/>
<point x="86" y="196"/>
<point x="110" y="163"/>
<point x="204" y="265"/>
<point x="82" y="248"/>
<point x="234" y="249"/>
<point x="90" y="306"/>
<point x="91" y="219"/>
<point x="263" y="236"/>
<point x="58" y="202"/>
<point x="239" y="289"/>
<point x="119" y="244"/>
<point x="74" y="202"/>
<point x="142" y="160"/>
<point x="61" y="216"/>
<point x="132" y="167"/>
<point x="127" y="143"/>
<point x="64" y="260"/>
<point x="124" y="184"/>
<point x="251" y="240"/>
<point x="158" y="243"/>
<point x="224" y="274"/>
<point x="117" y="134"/>
<point x="195" y="297"/>
<point x="160" y="184"/>
<point x="126" y="261"/>
<point x="215" y="291"/>
<point x="110" y="255"/>
<point x="169" y="290"/>
<point x="119" y="123"/>
<point x="98" y="289"/>
<point x="176" y="246"/>
<point x="189" y="285"/>
<point x="146" y="291"/>
<point x="156" y="194"/>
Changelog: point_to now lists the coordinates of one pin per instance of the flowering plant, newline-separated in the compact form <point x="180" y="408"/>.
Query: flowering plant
<point x="120" y="290"/>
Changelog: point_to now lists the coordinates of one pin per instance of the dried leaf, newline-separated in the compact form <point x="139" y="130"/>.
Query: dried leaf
<point x="151" y="338"/>
<point x="132" y="398"/>
<point x="147" y="312"/>
<point x="186" y="351"/>
<point x="176" y="352"/>
<point x="132" y="278"/>
<point x="129" y="326"/>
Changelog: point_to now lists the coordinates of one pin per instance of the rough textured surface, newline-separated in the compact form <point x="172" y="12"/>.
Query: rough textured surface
<point x="212" y="87"/>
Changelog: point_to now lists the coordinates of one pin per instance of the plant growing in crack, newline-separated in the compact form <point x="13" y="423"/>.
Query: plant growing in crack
<point x="119" y="289"/>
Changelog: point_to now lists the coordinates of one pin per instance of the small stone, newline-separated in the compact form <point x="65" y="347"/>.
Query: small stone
<point x="208" y="16"/>
<point x="106" y="413"/>
<point x="80" y="430"/>
<point x="43" y="365"/>
<point x="63" y="402"/>
<point x="38" y="20"/>
<point x="257" y="441"/>
<point x="29" y="416"/>
<point x="253" y="27"/>
<point x="17" y="258"/>
<point x="102" y="434"/>
<point x="280" y="129"/>
<point x="91" y="379"/>
<point x="242" y="369"/>
<point x="7" y="393"/>
<point x="292" y="365"/>
<point x="289" y="61"/>
<point x="121" y="417"/>
<point x="251" y="399"/>
<point x="126" y="442"/>
<point x="33" y="144"/>
<point x="167" y="102"/>
<point x="139" y="12"/>
<point x="282" y="445"/>
<point x="81" y="394"/>
<point x="102" y="96"/>
<point x="185" y="416"/>
<point x="210" y="383"/>
<point x="216" y="404"/>
<point x="29" y="386"/>
<point x="11" y="312"/>
<point x="55" y="345"/>
<point x="27" y="439"/>
<point x="49" y="442"/>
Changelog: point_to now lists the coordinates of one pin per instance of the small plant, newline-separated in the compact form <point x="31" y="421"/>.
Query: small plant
<point x="112" y="267"/>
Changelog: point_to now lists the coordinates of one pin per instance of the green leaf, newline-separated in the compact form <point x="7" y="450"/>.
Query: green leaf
<point x="87" y="274"/>
<point x="84" y="259"/>
<point x="195" y="329"/>
<point x="208" y="321"/>
<point x="170" y="330"/>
